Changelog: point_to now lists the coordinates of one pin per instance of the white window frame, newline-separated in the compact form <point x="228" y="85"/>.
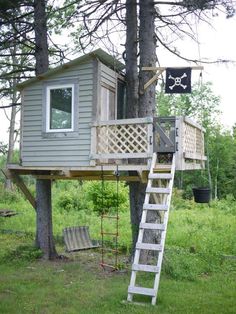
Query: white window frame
<point x="59" y="86"/>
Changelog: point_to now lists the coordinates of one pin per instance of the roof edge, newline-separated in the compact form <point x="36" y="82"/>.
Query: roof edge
<point x="98" y="53"/>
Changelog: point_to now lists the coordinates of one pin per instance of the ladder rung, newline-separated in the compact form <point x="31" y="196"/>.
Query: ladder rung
<point x="158" y="190"/>
<point x="155" y="207"/>
<point x="104" y="249"/>
<point x="152" y="226"/>
<point x="147" y="268"/>
<point x="162" y="167"/>
<point x="110" y="233"/>
<point x="109" y="217"/>
<point x="141" y="290"/>
<point x="166" y="176"/>
<point x="148" y="246"/>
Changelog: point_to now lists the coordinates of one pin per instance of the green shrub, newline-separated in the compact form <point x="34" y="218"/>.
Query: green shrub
<point x="188" y="193"/>
<point x="105" y="199"/>
<point x="8" y="196"/>
<point x="70" y="200"/>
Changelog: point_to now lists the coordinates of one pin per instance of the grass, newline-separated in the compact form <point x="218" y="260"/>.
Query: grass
<point x="80" y="286"/>
<point x="196" y="278"/>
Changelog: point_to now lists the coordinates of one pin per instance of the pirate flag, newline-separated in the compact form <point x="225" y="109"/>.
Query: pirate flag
<point x="178" y="80"/>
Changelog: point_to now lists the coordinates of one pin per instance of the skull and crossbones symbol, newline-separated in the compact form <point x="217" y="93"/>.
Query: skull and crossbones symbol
<point x="177" y="81"/>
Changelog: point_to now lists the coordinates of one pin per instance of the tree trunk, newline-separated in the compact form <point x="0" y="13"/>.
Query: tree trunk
<point x="216" y="179"/>
<point x="147" y="98"/>
<point x="131" y="65"/>
<point x="136" y="196"/>
<point x="44" y="231"/>
<point x="41" y="43"/>
<point x="208" y="165"/>
<point x="44" y="219"/>
<point x="11" y="141"/>
<point x="147" y="45"/>
<point x="144" y="105"/>
<point x="136" y="191"/>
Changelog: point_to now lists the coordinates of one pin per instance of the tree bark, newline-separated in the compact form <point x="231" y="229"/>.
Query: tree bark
<point x="11" y="140"/>
<point x="41" y="43"/>
<point x="44" y="231"/>
<point x="44" y="219"/>
<point x="147" y="98"/>
<point x="136" y="191"/>
<point x="131" y="63"/>
<point x="147" y="47"/>
<point x="139" y="103"/>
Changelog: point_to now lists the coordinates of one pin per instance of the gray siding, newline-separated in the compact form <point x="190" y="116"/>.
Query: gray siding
<point x="69" y="150"/>
<point x="108" y="76"/>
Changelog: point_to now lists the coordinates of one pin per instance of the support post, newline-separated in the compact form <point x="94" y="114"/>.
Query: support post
<point x="21" y="185"/>
<point x="44" y="237"/>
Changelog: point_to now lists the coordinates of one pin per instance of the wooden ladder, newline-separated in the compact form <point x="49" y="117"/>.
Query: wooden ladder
<point x="158" y="177"/>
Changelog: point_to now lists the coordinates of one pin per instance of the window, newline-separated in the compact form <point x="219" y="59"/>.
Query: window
<point x="60" y="108"/>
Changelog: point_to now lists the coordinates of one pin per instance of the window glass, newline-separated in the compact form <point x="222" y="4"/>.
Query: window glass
<point x="60" y="109"/>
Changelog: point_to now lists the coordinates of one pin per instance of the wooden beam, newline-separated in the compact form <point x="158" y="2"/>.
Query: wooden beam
<point x="88" y="178"/>
<point x="121" y="155"/>
<point x="142" y="176"/>
<point x="195" y="156"/>
<point x="153" y="79"/>
<point x="91" y="169"/>
<point x="123" y="121"/>
<point x="20" y="183"/>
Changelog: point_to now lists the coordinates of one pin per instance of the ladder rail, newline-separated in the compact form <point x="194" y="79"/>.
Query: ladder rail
<point x="163" y="235"/>
<point x="162" y="198"/>
<point x="141" y="232"/>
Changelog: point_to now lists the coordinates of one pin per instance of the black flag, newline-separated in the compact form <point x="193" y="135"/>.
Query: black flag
<point x="178" y="80"/>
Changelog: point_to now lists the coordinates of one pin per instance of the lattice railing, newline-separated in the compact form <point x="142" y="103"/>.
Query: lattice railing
<point x="191" y="154"/>
<point x="193" y="144"/>
<point x="121" y="139"/>
<point x="133" y="138"/>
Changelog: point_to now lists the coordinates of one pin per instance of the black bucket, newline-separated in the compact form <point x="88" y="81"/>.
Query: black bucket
<point x="202" y="195"/>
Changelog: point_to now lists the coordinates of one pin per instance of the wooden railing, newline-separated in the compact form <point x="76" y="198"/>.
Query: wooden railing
<point x="122" y="139"/>
<point x="133" y="138"/>
<point x="190" y="144"/>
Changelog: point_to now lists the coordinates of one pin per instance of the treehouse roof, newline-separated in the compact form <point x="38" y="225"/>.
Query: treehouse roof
<point x="100" y="54"/>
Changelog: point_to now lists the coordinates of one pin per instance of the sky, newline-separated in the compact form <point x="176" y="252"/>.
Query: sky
<point x="216" y="42"/>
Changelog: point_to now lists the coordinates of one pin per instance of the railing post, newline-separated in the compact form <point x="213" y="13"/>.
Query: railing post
<point x="180" y="144"/>
<point x="150" y="138"/>
<point x="93" y="148"/>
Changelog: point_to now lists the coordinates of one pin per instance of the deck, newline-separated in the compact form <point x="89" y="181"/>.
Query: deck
<point x="128" y="145"/>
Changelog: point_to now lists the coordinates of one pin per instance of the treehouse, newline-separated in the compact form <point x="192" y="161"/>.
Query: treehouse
<point x="73" y="121"/>
<point x="73" y="126"/>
